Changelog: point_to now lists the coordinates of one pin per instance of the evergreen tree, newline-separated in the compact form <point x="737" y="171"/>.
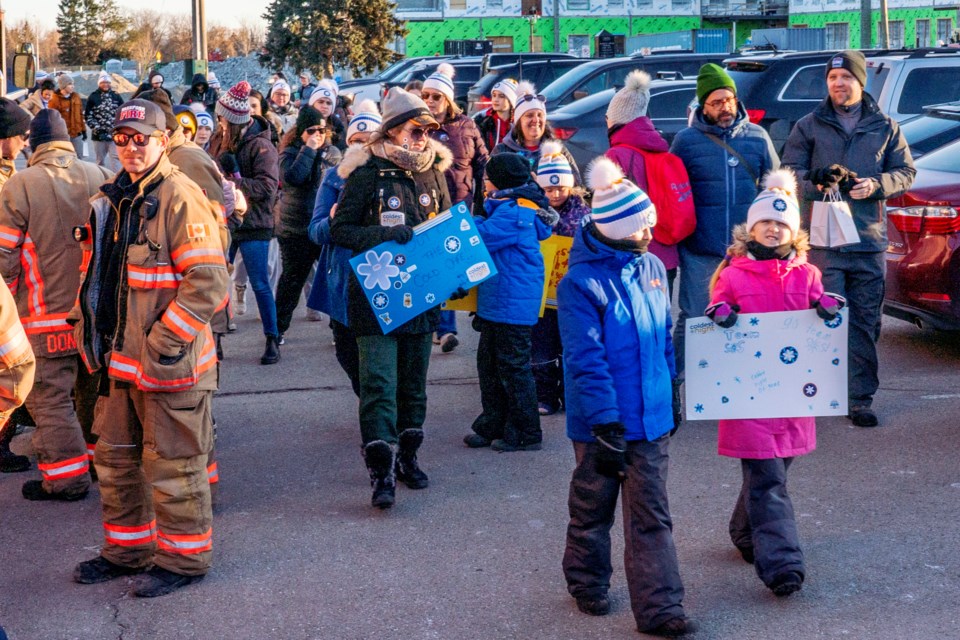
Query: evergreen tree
<point x="89" y="27"/>
<point x="74" y="44"/>
<point x="319" y="34"/>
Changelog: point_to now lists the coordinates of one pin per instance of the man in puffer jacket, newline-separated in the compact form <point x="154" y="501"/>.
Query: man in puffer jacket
<point x="200" y="91"/>
<point x="99" y="114"/>
<point x="615" y="326"/>
<point x="725" y="156"/>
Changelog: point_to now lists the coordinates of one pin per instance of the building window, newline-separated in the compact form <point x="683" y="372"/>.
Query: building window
<point x="615" y="4"/>
<point x="418" y="5"/>
<point x="458" y="5"/>
<point x="944" y="27"/>
<point x="681" y="4"/>
<point x="923" y="33"/>
<point x="493" y="4"/>
<point x="836" y="36"/>
<point x="578" y="5"/>
<point x="895" y="35"/>
<point x="643" y="4"/>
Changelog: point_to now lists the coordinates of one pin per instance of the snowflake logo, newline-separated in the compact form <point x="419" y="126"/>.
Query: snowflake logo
<point x="698" y="408"/>
<point x="754" y="322"/>
<point x="835" y="322"/>
<point x="788" y="355"/>
<point x="400" y="260"/>
<point x="452" y="244"/>
<point x="377" y="271"/>
<point x="430" y="298"/>
<point x="758" y="354"/>
<point x="809" y="389"/>
<point x="779" y="204"/>
<point x="380" y="300"/>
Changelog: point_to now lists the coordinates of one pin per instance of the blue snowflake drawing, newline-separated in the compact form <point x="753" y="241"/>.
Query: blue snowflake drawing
<point x="758" y="354"/>
<point x="754" y="322"/>
<point x="430" y="298"/>
<point x="698" y="408"/>
<point x="380" y="300"/>
<point x="836" y="322"/>
<point x="378" y="270"/>
<point x="400" y="260"/>
<point x="788" y="355"/>
<point x="452" y="244"/>
<point x="809" y="389"/>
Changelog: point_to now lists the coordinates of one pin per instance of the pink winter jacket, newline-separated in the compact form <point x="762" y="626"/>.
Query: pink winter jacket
<point x="761" y="286"/>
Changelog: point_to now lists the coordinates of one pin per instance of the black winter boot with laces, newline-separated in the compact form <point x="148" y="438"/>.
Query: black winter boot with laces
<point x="380" y="459"/>
<point x="408" y="471"/>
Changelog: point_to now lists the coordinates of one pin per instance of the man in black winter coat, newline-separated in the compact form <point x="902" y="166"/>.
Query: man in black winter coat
<point x="200" y="91"/>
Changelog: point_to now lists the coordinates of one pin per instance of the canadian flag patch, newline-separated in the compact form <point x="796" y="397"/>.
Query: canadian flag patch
<point x="196" y="230"/>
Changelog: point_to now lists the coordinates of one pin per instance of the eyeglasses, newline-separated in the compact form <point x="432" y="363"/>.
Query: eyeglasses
<point x="313" y="130"/>
<point x="25" y="136"/>
<point x="418" y="133"/>
<point x="139" y="139"/>
<point x="716" y="104"/>
<point x="432" y="96"/>
<point x="530" y="98"/>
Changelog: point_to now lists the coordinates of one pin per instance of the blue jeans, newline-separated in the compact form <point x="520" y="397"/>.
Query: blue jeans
<point x="255" y="254"/>
<point x="448" y="323"/>
<point x="695" y="273"/>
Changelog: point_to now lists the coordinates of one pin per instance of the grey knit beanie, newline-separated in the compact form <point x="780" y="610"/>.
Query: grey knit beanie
<point x="630" y="102"/>
<point x="399" y="106"/>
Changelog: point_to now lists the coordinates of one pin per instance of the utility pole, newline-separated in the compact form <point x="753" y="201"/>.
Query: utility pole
<point x="866" y="24"/>
<point x="885" y="24"/>
<point x="3" y="52"/>
<point x="556" y="26"/>
<point x="199" y="30"/>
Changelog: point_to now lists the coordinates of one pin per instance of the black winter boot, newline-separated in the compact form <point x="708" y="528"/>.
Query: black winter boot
<point x="9" y="461"/>
<point x="408" y="471"/>
<point x="271" y="353"/>
<point x="380" y="459"/>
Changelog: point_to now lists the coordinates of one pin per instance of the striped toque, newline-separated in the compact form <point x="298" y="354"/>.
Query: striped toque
<point x="620" y="208"/>
<point x="554" y="168"/>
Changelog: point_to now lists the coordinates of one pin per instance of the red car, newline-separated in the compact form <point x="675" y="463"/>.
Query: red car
<point x="923" y="258"/>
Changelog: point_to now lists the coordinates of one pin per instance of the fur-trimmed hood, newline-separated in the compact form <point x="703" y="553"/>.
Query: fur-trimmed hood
<point x="741" y="236"/>
<point x="358" y="155"/>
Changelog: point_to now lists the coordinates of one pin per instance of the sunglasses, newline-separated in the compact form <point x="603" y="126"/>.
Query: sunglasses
<point x="716" y="104"/>
<point x="531" y="98"/>
<point x="432" y="96"/>
<point x="25" y="136"/>
<point x="139" y="139"/>
<point x="416" y="134"/>
<point x="313" y="130"/>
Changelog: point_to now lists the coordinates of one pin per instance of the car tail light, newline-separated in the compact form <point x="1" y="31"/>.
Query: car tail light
<point x="482" y="103"/>
<point x="564" y="133"/>
<point x="911" y="215"/>
<point x="756" y="115"/>
<point x="934" y="297"/>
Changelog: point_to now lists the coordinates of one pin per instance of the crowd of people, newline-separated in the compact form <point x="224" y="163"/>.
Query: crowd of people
<point x="122" y="305"/>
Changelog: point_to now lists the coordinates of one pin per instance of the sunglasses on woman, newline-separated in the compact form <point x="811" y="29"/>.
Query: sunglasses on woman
<point x="432" y="96"/>
<point x="314" y="130"/>
<point x="416" y="134"/>
<point x="139" y="139"/>
<point x="530" y="98"/>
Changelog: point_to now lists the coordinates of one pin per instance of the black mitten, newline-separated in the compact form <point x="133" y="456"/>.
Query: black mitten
<point x="400" y="233"/>
<point x="611" y="456"/>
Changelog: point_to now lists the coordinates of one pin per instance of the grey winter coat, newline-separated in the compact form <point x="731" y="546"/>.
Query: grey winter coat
<point x="876" y="149"/>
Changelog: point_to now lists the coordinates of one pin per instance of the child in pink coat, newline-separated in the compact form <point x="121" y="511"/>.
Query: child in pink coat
<point x="766" y="270"/>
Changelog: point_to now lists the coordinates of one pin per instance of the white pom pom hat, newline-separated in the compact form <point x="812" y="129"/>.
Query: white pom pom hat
<point x="366" y="120"/>
<point x="326" y="88"/>
<point x="554" y="168"/>
<point x="508" y="87"/>
<point x="528" y="100"/>
<point x="442" y="80"/>
<point x="620" y="208"/>
<point x="777" y="201"/>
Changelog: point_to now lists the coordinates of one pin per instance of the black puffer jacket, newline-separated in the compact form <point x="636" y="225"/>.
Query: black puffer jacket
<point x="374" y="185"/>
<point x="465" y="176"/>
<point x="200" y="91"/>
<point x="301" y="170"/>
<point x="259" y="180"/>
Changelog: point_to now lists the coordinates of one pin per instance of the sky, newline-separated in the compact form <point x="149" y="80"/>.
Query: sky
<point x="226" y="12"/>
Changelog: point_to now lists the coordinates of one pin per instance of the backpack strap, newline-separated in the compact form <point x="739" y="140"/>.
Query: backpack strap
<point x="743" y="163"/>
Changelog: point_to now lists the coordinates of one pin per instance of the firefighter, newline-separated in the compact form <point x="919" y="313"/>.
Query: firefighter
<point x="155" y="277"/>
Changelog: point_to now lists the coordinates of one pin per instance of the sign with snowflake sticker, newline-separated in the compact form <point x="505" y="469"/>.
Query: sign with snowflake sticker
<point x="787" y="364"/>
<point x="401" y="281"/>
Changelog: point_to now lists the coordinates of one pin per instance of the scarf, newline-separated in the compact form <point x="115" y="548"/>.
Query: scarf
<point x="631" y="246"/>
<point x="415" y="161"/>
<point x="763" y="252"/>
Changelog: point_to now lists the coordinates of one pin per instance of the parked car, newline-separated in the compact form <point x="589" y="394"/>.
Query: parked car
<point x="492" y="60"/>
<point x="923" y="258"/>
<point x="903" y="82"/>
<point x="369" y="87"/>
<point x="467" y="73"/>
<point x="597" y="75"/>
<point x="938" y="125"/>
<point x="582" y="125"/>
<point x="539" y="72"/>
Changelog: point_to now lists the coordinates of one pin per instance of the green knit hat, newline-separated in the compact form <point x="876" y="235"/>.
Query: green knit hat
<point x="711" y="78"/>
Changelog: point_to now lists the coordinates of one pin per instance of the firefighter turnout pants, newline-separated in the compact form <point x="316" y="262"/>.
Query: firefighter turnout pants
<point x="152" y="461"/>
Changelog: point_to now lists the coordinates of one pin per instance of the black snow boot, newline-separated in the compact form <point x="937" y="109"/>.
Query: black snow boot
<point x="408" y="471"/>
<point x="380" y="459"/>
<point x="271" y="352"/>
<point x="9" y="461"/>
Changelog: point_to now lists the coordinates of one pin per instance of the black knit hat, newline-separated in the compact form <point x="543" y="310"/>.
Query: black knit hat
<point x="14" y="121"/>
<point x="508" y="170"/>
<point x="853" y="61"/>
<point x="159" y="97"/>
<point x="310" y="118"/>
<point x="48" y="125"/>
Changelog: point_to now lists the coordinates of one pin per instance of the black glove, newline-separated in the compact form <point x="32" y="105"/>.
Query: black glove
<point x="476" y="323"/>
<point x="400" y="233"/>
<point x="459" y="294"/>
<point x="827" y="177"/>
<point x="829" y="305"/>
<point x="228" y="162"/>
<point x="849" y="181"/>
<point x="549" y="216"/>
<point x="677" y="410"/>
<point x="724" y="314"/>
<point x="611" y="456"/>
<point x="84" y="134"/>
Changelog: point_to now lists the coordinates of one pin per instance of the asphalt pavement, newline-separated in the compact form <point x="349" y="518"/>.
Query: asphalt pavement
<point x="300" y="554"/>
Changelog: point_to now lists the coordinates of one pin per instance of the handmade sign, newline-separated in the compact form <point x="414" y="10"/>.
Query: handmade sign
<point x="401" y="281"/>
<point x="787" y="364"/>
<point x="561" y="262"/>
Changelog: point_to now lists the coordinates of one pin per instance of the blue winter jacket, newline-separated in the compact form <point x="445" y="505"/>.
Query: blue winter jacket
<point x="512" y="233"/>
<point x="329" y="292"/>
<point x="722" y="190"/>
<point x="615" y="325"/>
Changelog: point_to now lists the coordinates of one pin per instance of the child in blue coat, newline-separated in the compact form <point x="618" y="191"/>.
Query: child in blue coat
<point x="619" y="365"/>
<point x="508" y="305"/>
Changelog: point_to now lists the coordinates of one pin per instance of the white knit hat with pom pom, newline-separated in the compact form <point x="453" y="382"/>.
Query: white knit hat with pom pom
<point x="554" y="169"/>
<point x="777" y="201"/>
<point x="620" y="208"/>
<point x="630" y="102"/>
<point x="366" y="119"/>
<point x="442" y="80"/>
<point x="527" y="100"/>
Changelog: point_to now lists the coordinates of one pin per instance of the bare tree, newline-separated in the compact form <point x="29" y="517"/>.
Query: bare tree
<point x="147" y="34"/>
<point x="179" y="42"/>
<point x="249" y="37"/>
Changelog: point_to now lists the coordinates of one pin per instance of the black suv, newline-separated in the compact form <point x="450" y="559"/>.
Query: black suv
<point x="539" y="72"/>
<point x="467" y="73"/>
<point x="598" y="75"/>
<point x="937" y="126"/>
<point x="492" y="60"/>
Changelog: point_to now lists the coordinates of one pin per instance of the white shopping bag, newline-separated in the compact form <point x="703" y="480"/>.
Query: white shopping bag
<point x="831" y="222"/>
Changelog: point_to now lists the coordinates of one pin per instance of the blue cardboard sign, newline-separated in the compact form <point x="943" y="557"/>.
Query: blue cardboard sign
<point x="401" y="281"/>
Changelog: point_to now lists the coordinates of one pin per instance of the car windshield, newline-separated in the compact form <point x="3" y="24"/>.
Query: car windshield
<point x="943" y="159"/>
<point x="926" y="133"/>
<point x="556" y="89"/>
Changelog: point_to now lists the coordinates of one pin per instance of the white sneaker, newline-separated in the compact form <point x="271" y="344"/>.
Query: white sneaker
<point x="240" y="301"/>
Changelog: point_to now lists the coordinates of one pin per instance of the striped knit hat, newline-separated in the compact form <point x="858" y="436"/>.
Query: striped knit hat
<point x="234" y="105"/>
<point x="508" y="87"/>
<point x="366" y="120"/>
<point x="777" y="201"/>
<point x="620" y="208"/>
<point x="326" y="88"/>
<point x="527" y="100"/>
<point x="554" y="168"/>
<point x="442" y="80"/>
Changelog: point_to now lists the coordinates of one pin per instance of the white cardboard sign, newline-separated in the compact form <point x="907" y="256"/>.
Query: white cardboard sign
<point x="786" y="364"/>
